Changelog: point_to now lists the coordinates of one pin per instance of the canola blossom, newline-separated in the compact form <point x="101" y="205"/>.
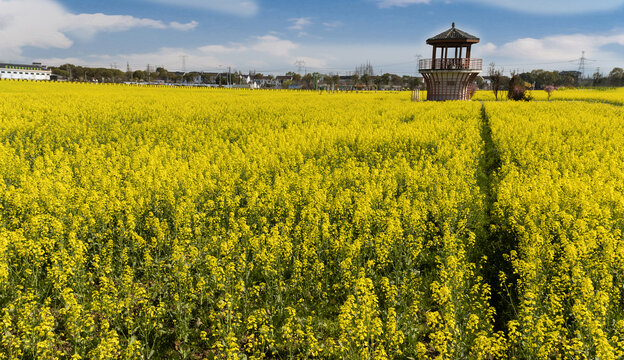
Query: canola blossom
<point x="613" y="96"/>
<point x="560" y="197"/>
<point x="160" y="223"/>
<point x="191" y="223"/>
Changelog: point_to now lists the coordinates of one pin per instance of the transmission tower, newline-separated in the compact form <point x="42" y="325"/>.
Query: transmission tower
<point x="183" y="63"/>
<point x="300" y="64"/>
<point x="581" y="67"/>
<point x="418" y="57"/>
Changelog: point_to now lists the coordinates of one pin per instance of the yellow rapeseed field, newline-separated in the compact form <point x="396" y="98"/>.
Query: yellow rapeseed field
<point x="560" y="196"/>
<point x="161" y="223"/>
<point x="613" y="96"/>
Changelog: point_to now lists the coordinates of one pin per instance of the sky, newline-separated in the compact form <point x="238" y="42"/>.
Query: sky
<point x="328" y="36"/>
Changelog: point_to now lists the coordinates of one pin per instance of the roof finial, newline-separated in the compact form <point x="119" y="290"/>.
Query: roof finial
<point x="453" y="24"/>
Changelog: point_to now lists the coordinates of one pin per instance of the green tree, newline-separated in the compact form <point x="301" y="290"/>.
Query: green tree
<point x="366" y="79"/>
<point x="377" y="80"/>
<point x="496" y="79"/>
<point x="335" y="80"/>
<point x="162" y="74"/>
<point x="139" y="75"/>
<point x="385" y="79"/>
<point x="616" y="77"/>
<point x="296" y="78"/>
<point x="307" y="80"/>
<point x="355" y="78"/>
<point x="597" y="78"/>
<point x="480" y="82"/>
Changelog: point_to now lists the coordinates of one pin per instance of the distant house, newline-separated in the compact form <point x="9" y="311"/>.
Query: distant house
<point x="281" y="79"/>
<point x="36" y="71"/>
<point x="265" y="81"/>
<point x="56" y="77"/>
<point x="346" y="82"/>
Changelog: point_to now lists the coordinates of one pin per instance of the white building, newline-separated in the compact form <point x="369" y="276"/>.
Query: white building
<point x="25" y="72"/>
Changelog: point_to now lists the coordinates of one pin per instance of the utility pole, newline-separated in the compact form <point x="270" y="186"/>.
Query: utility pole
<point x="229" y="75"/>
<point x="184" y="63"/>
<point x="148" y="74"/>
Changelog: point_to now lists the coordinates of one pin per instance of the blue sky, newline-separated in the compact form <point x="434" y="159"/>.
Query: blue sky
<point x="322" y="35"/>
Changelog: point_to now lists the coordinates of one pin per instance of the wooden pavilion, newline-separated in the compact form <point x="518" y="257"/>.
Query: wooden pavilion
<point x="448" y="78"/>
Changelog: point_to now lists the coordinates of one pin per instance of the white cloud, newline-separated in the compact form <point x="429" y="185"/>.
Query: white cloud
<point x="272" y="53"/>
<point x="399" y="3"/>
<point x="46" y="24"/>
<point x="222" y="49"/>
<point x="488" y="48"/>
<point x="525" y="6"/>
<point x="313" y="63"/>
<point x="243" y="8"/>
<point x="41" y="28"/>
<point x="332" y="24"/>
<point x="554" y="6"/>
<point x="273" y="45"/>
<point x="268" y="53"/>
<point x="87" y="25"/>
<point x="299" y="23"/>
<point x="61" y="61"/>
<point x="183" y="26"/>
<point x="555" y="48"/>
<point x="170" y="58"/>
<point x="557" y="52"/>
<point x="387" y="57"/>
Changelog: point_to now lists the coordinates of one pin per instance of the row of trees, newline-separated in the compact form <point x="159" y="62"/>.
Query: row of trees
<point x="615" y="78"/>
<point x="362" y="78"/>
<point x="369" y="81"/>
<point x="81" y="73"/>
<point x="540" y="79"/>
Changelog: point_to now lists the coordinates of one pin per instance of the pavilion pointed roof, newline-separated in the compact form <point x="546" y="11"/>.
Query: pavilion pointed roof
<point x="453" y="35"/>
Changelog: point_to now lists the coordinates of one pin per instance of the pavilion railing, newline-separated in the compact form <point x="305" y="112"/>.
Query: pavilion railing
<point x="450" y="64"/>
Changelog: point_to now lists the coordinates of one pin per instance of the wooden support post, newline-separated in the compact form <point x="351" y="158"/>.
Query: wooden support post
<point x="461" y="49"/>
<point x="433" y="57"/>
